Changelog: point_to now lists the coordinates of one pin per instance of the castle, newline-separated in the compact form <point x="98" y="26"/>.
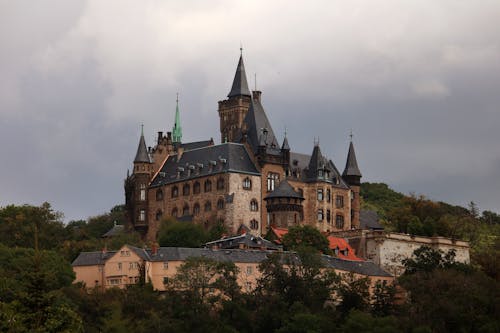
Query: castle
<point x="249" y="182"/>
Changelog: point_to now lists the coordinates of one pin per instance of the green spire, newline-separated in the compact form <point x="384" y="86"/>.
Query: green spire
<point x="177" y="130"/>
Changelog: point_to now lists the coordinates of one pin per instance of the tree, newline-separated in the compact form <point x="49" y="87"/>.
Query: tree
<point x="300" y="236"/>
<point x="173" y="233"/>
<point x="427" y="259"/>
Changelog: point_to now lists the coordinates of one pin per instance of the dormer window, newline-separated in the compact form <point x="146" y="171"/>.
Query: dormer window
<point x="320" y="173"/>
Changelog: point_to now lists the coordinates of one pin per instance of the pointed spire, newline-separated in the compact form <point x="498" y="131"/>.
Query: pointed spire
<point x="142" y="155"/>
<point x="177" y="129"/>
<point x="351" y="166"/>
<point x="285" y="145"/>
<point x="240" y="84"/>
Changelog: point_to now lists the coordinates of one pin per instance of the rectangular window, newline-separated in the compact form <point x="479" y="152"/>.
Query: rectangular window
<point x="320" y="214"/>
<point x="248" y="286"/>
<point x="339" y="201"/>
<point x="272" y="180"/>
<point x="249" y="270"/>
<point x="119" y="266"/>
<point x="143" y="195"/>
<point x="339" y="222"/>
<point x="142" y="215"/>
<point x="165" y="265"/>
<point x="320" y="194"/>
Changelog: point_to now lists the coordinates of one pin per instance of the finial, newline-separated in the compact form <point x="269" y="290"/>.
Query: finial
<point x="142" y="129"/>
<point x="255" y="80"/>
<point x="285" y="131"/>
<point x="241" y="49"/>
<point x="177" y="98"/>
<point x="350" y="135"/>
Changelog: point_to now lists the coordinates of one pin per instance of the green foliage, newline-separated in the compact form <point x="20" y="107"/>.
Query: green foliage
<point x="362" y="322"/>
<point x="427" y="259"/>
<point x="305" y="236"/>
<point x="182" y="234"/>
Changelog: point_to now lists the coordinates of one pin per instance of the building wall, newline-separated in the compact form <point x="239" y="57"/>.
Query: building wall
<point x="91" y="276"/>
<point x="265" y="171"/>
<point x="122" y="268"/>
<point x="238" y="212"/>
<point x="389" y="249"/>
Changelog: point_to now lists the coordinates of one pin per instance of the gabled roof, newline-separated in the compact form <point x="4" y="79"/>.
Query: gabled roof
<point x="240" y="84"/>
<point x="92" y="258"/>
<point x="351" y="166"/>
<point x="248" y="240"/>
<point x="259" y="130"/>
<point x="142" y="155"/>
<point x="226" y="157"/>
<point x="284" y="190"/>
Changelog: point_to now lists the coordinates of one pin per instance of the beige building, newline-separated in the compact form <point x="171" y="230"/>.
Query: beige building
<point x="123" y="267"/>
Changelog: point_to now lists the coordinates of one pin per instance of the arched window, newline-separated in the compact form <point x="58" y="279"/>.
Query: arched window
<point x="208" y="206"/>
<point x="175" y="192"/>
<point x="339" y="222"/>
<point x="159" y="194"/>
<point x="174" y="212"/>
<point x="208" y="185"/>
<point x="159" y="215"/>
<point x="320" y="214"/>
<point x="272" y="180"/>
<point x="185" y="189"/>
<point x="185" y="210"/>
<point x="254" y="205"/>
<point x="196" y="209"/>
<point x="254" y="225"/>
<point x="247" y="184"/>
<point x="220" y="184"/>
<point x="196" y="188"/>
<point x="320" y="194"/>
<point x="220" y="203"/>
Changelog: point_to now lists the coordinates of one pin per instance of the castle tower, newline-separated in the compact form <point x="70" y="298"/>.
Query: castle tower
<point x="233" y="110"/>
<point x="284" y="206"/>
<point x="352" y="176"/>
<point x="177" y="129"/>
<point x="136" y="200"/>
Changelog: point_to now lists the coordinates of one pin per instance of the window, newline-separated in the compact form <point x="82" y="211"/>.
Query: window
<point x="174" y="212"/>
<point x="185" y="189"/>
<point x="208" y="206"/>
<point x="143" y="192"/>
<point x="328" y="216"/>
<point x="254" y="225"/>
<point x="175" y="192"/>
<point x="125" y="253"/>
<point x="165" y="265"/>
<point x="142" y="215"/>
<point x="254" y="205"/>
<point x="220" y="204"/>
<point x="159" y="194"/>
<point x="320" y="214"/>
<point x="159" y="215"/>
<point x="272" y="179"/>
<point x="208" y="186"/>
<point x="328" y="195"/>
<point x="114" y="282"/>
<point x="320" y="194"/>
<point x="339" y="222"/>
<point x="249" y="270"/>
<point x="196" y="209"/>
<point x="248" y="285"/>
<point x="196" y="188"/>
<point x="119" y="266"/>
<point x="339" y="201"/>
<point x="133" y="266"/>
<point x="220" y="184"/>
<point x="247" y="184"/>
<point x="185" y="210"/>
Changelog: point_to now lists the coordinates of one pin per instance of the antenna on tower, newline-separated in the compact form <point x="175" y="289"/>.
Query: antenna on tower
<point x="255" y="80"/>
<point x="350" y="135"/>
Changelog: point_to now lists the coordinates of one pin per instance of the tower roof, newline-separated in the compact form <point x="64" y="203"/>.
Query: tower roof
<point x="240" y="84"/>
<point x="284" y="190"/>
<point x="177" y="129"/>
<point x="142" y="155"/>
<point x="259" y="130"/>
<point x="285" y="145"/>
<point x="351" y="166"/>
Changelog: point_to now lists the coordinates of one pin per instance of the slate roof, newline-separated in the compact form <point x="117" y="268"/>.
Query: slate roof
<point x="92" y="258"/>
<point x="240" y="84"/>
<point x="246" y="239"/>
<point x="116" y="230"/>
<point x="368" y="219"/>
<point x="226" y="157"/>
<point x="284" y="190"/>
<point x="285" y="145"/>
<point x="231" y="255"/>
<point x="257" y="122"/>
<point x="308" y="167"/>
<point x="194" y="145"/>
<point x="351" y="166"/>
<point x="142" y="155"/>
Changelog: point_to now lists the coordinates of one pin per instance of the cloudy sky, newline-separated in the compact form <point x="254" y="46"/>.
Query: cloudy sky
<point x="417" y="81"/>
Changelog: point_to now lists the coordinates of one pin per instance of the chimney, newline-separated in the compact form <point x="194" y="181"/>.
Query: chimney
<point x="160" y="136"/>
<point x="256" y="95"/>
<point x="154" y="249"/>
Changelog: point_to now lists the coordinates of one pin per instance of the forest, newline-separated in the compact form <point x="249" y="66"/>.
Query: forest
<point x="436" y="294"/>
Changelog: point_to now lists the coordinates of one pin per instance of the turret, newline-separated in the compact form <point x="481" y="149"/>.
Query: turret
<point x="284" y="206"/>
<point x="352" y="176"/>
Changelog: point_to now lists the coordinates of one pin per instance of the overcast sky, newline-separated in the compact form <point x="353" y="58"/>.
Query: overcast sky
<point x="417" y="81"/>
